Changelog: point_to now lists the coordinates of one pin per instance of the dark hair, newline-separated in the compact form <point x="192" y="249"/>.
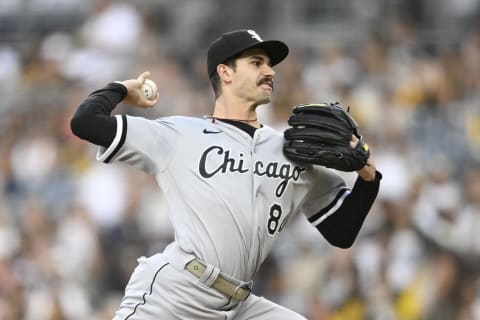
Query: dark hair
<point x="215" y="79"/>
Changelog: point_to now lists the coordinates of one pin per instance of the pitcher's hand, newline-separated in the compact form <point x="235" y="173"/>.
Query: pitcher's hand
<point x="135" y="97"/>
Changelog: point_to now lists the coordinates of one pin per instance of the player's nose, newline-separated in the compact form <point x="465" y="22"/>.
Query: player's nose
<point x="268" y="71"/>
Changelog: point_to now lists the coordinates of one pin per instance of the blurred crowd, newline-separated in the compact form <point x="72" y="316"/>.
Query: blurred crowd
<point x="71" y="228"/>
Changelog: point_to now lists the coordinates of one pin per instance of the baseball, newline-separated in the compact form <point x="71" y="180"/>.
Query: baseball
<point x="149" y="89"/>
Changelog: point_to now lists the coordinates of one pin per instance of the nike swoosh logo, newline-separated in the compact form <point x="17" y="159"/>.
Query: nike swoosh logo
<point x="208" y="131"/>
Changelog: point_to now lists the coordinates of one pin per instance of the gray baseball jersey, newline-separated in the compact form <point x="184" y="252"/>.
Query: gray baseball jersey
<point x="229" y="195"/>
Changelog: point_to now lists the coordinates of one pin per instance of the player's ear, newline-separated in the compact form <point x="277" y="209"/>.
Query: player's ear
<point x="225" y="72"/>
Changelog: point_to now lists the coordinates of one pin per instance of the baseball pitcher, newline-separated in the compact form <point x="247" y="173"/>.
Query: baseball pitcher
<point x="231" y="183"/>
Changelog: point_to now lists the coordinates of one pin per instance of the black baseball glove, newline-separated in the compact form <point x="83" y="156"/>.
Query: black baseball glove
<point x="321" y="134"/>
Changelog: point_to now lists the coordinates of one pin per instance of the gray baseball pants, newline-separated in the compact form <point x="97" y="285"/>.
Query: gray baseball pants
<point x="159" y="289"/>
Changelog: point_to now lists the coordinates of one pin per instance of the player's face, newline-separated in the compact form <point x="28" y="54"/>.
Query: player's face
<point x="253" y="77"/>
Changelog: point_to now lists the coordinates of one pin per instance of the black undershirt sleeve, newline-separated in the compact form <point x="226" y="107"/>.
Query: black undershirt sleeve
<point x="93" y="121"/>
<point x="342" y="227"/>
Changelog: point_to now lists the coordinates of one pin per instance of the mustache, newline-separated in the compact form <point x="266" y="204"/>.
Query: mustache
<point x="267" y="81"/>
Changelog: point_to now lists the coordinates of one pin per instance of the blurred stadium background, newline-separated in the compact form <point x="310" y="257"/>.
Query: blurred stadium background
<point x="71" y="228"/>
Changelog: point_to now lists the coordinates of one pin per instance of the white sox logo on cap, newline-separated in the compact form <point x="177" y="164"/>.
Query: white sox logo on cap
<point x="255" y="35"/>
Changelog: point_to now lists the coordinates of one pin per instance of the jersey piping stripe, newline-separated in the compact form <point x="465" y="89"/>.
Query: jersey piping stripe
<point x="323" y="214"/>
<point x="122" y="138"/>
<point x="144" y="297"/>
<point x="117" y="142"/>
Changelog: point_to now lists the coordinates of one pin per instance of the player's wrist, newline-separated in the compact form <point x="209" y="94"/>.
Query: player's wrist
<point x="368" y="172"/>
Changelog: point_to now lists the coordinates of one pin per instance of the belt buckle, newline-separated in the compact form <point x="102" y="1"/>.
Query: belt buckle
<point x="237" y="289"/>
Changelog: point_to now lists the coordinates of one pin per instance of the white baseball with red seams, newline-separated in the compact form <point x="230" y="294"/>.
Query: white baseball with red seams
<point x="149" y="89"/>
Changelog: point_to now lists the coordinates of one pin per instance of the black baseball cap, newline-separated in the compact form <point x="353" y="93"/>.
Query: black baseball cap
<point x="232" y="43"/>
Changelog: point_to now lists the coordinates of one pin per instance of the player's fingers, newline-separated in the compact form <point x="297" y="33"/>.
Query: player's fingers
<point x="354" y="141"/>
<point x="147" y="103"/>
<point x="143" y="76"/>
<point x="154" y="101"/>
